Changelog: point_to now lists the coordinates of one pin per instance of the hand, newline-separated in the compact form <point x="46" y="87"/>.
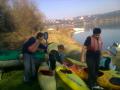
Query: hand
<point x="42" y="42"/>
<point x="82" y="60"/>
<point x="37" y="41"/>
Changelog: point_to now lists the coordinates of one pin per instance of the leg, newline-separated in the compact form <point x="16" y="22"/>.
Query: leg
<point x="33" y="69"/>
<point x="52" y="62"/>
<point x="96" y="66"/>
<point x="26" y="67"/>
<point x="107" y="63"/>
<point x="97" y="62"/>
<point x="91" y="71"/>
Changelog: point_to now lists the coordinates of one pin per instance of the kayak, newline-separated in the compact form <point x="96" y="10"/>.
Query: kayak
<point x="78" y="68"/>
<point x="76" y="62"/>
<point x="9" y="58"/>
<point x="80" y="71"/>
<point x="107" y="79"/>
<point x="39" y="58"/>
<point x="46" y="80"/>
<point x="72" y="81"/>
<point x="6" y="55"/>
<point x="39" y="55"/>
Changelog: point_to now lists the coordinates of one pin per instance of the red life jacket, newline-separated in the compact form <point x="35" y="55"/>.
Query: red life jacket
<point x="96" y="44"/>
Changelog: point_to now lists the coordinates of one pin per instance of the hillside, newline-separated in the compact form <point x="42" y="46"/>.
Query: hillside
<point x="109" y="14"/>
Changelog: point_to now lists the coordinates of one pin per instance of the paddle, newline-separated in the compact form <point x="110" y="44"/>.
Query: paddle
<point x="46" y="37"/>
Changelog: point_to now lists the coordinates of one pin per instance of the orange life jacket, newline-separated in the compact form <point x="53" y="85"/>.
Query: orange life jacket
<point x="96" y="44"/>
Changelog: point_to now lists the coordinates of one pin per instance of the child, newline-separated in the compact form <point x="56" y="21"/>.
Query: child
<point x="61" y="52"/>
<point x="54" y="56"/>
<point x="112" y="49"/>
<point x="106" y="61"/>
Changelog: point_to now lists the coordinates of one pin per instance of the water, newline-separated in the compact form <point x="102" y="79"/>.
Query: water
<point x="108" y="35"/>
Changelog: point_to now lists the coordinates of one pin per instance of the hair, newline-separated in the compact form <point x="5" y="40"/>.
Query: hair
<point x="96" y="31"/>
<point x="39" y="34"/>
<point x="115" y="44"/>
<point x="53" y="57"/>
<point x="60" y="46"/>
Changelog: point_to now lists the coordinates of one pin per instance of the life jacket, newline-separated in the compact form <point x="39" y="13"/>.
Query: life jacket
<point x="96" y="44"/>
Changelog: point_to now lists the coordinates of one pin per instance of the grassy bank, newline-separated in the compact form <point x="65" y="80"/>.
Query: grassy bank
<point x="64" y="37"/>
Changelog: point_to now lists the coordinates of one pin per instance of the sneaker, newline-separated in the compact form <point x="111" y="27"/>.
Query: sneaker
<point x="97" y="87"/>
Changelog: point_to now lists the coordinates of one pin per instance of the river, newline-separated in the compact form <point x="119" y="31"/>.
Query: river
<point x="108" y="35"/>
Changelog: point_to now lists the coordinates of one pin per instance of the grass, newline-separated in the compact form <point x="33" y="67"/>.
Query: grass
<point x="13" y="80"/>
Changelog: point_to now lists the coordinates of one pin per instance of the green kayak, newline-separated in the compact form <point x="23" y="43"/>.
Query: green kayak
<point x="6" y="55"/>
<point x="9" y="58"/>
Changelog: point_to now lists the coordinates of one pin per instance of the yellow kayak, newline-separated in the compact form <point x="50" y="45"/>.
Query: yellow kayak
<point x="70" y="79"/>
<point x="108" y="79"/>
<point x="78" y="68"/>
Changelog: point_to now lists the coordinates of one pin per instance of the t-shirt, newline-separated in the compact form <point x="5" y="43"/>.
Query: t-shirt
<point x="31" y="41"/>
<point x="41" y="46"/>
<point x="62" y="56"/>
<point x="28" y="43"/>
<point x="87" y="41"/>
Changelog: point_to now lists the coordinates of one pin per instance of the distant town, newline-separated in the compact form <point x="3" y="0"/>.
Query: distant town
<point x="111" y="19"/>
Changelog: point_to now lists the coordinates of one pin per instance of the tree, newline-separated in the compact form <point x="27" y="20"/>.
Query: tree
<point x="18" y="20"/>
<point x="6" y="24"/>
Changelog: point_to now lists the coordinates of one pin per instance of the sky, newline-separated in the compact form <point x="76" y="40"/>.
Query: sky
<point x="59" y="9"/>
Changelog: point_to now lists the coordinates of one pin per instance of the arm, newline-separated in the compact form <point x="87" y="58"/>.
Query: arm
<point x="43" y="42"/>
<point x="84" y="49"/>
<point x="34" y="46"/>
<point x="83" y="53"/>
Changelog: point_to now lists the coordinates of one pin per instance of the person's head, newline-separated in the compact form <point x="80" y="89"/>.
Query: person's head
<point x="40" y="36"/>
<point x="115" y="44"/>
<point x="96" y="32"/>
<point x="61" y="47"/>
